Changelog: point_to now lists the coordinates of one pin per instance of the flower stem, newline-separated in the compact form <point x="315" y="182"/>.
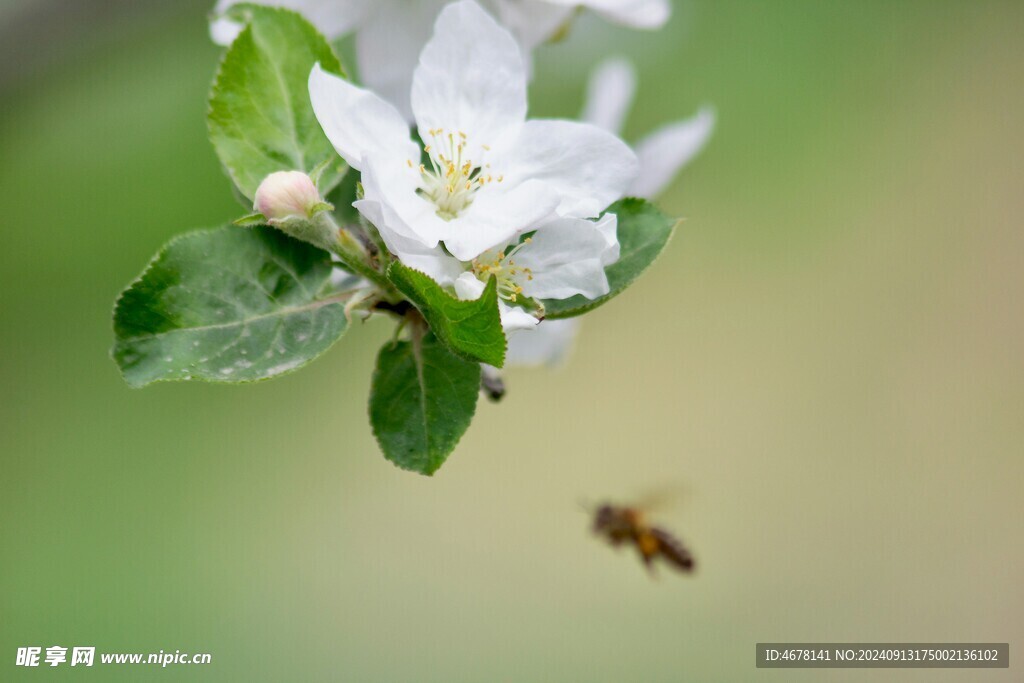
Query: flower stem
<point x="353" y="255"/>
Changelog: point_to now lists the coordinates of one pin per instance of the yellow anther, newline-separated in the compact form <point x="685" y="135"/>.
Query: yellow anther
<point x="450" y="180"/>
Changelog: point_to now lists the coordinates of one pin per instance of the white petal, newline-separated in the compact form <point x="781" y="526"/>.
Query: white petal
<point x="438" y="265"/>
<point x="610" y="93"/>
<point x="607" y="226"/>
<point x="548" y="344"/>
<point x="403" y="213"/>
<point x="567" y="257"/>
<point x="497" y="215"/>
<point x="590" y="168"/>
<point x="649" y="14"/>
<point x="664" y="152"/>
<point x="468" y="287"/>
<point x="394" y="184"/>
<point x="434" y="262"/>
<point x="389" y="45"/>
<point x="223" y="31"/>
<point x="470" y="79"/>
<point x="357" y="122"/>
<point x="533" y="21"/>
<point x="333" y="18"/>
<point x="514" y="318"/>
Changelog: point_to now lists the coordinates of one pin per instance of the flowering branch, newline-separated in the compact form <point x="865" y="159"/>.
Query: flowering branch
<point x="478" y="228"/>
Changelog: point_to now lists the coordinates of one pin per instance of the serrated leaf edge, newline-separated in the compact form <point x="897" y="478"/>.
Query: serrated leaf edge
<point x="232" y="174"/>
<point x="491" y="284"/>
<point x="373" y="427"/>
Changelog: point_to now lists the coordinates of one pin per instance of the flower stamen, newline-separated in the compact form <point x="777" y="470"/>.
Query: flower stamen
<point x="452" y="179"/>
<point x="504" y="270"/>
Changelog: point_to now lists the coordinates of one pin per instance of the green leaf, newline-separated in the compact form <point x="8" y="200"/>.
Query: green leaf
<point x="260" y="118"/>
<point x="226" y="305"/>
<point x="471" y="329"/>
<point x="643" y="233"/>
<point x="422" y="399"/>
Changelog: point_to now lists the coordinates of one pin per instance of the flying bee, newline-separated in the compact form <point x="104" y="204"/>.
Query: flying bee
<point x="622" y="524"/>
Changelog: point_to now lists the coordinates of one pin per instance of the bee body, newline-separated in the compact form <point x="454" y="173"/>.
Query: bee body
<point x="622" y="524"/>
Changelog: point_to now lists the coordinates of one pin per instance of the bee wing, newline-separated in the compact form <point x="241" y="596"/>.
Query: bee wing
<point x="673" y="550"/>
<point x="662" y="497"/>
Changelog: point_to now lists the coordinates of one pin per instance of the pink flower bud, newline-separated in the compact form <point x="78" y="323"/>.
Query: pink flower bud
<point x="287" y="194"/>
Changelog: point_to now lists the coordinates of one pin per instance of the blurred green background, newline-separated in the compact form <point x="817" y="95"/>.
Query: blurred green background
<point x="826" y="365"/>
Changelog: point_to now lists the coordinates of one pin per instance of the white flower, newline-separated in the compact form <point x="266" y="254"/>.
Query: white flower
<point x="662" y="153"/>
<point x="561" y="259"/>
<point x="389" y="34"/>
<point x="490" y="174"/>
<point x="286" y="195"/>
